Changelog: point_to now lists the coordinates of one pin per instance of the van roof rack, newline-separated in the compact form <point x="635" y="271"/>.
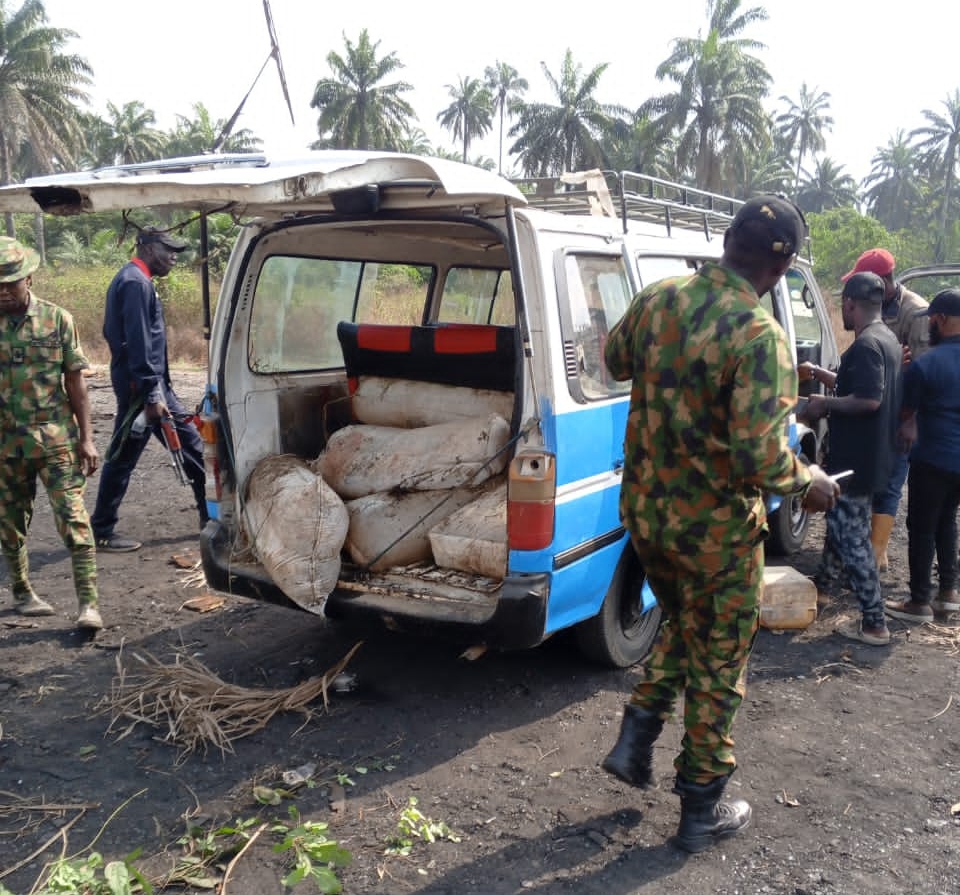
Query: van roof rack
<point x="631" y="197"/>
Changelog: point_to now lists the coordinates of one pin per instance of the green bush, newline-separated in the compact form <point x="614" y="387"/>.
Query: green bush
<point x="82" y="291"/>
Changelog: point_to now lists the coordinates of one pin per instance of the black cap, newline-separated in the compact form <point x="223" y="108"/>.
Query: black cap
<point x="946" y="302"/>
<point x="770" y="224"/>
<point x="865" y="287"/>
<point x="150" y="235"/>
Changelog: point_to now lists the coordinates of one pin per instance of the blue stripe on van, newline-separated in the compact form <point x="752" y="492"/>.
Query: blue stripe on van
<point x="587" y="442"/>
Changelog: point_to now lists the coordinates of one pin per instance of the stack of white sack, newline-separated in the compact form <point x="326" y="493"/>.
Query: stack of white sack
<point x="364" y="459"/>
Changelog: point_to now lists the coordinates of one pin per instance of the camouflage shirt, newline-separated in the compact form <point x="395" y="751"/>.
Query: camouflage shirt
<point x="35" y="351"/>
<point x="713" y="382"/>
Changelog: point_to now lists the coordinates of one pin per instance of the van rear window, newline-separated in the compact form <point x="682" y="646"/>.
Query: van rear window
<point x="298" y="302"/>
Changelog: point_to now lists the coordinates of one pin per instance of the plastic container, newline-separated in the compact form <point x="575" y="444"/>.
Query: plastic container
<point x="788" y="600"/>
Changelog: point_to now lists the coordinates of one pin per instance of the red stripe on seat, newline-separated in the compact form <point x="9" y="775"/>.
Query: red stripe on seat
<point x="465" y="338"/>
<point x="383" y="337"/>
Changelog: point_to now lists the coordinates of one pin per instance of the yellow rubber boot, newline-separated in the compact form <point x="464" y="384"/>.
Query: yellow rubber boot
<point x="880" y="528"/>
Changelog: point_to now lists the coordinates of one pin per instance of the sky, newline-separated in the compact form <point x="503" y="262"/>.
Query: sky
<point x="880" y="69"/>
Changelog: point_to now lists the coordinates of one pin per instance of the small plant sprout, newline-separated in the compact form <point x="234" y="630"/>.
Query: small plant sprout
<point x="413" y="825"/>
<point x="315" y="856"/>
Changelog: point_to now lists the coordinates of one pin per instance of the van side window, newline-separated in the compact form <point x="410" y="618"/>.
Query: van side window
<point x="298" y="302"/>
<point x="477" y="295"/>
<point x="598" y="291"/>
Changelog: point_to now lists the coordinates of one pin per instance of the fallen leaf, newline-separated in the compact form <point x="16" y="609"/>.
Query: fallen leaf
<point x="185" y="560"/>
<point x="955" y="809"/>
<point x="204" y="603"/>
<point x="556" y="773"/>
<point x="267" y="796"/>
<point x="472" y="653"/>
<point x="87" y="750"/>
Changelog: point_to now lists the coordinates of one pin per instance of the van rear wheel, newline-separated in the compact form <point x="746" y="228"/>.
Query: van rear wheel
<point x="622" y="633"/>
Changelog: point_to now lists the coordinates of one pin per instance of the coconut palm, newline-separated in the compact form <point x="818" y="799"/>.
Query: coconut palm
<point x="358" y="110"/>
<point x="130" y="135"/>
<point x="804" y="122"/>
<point x="894" y="187"/>
<point x="40" y="87"/>
<point x="716" y="108"/>
<point x="507" y="88"/>
<point x="939" y="141"/>
<point x="197" y="135"/>
<point x="829" y="186"/>
<point x="470" y="114"/>
<point x="635" y="144"/>
<point x="566" y="136"/>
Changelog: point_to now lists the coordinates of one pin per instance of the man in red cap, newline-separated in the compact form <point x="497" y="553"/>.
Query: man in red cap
<point x="905" y="313"/>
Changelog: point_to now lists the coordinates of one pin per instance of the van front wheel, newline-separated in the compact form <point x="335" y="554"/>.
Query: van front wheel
<point x="622" y="633"/>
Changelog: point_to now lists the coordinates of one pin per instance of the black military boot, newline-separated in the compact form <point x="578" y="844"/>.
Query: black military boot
<point x="704" y="819"/>
<point x="631" y="759"/>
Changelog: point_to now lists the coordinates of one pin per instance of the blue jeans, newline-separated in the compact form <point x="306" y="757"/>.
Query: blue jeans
<point x="885" y="502"/>
<point x="116" y="471"/>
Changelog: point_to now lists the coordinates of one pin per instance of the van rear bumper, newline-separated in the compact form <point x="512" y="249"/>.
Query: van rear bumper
<point x="513" y="616"/>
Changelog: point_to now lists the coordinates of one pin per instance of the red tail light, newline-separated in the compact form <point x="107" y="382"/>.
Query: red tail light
<point x="210" y="434"/>
<point x="531" y="496"/>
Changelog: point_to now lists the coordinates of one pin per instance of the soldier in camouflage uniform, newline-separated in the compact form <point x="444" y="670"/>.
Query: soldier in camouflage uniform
<point x="713" y="382"/>
<point x="45" y="432"/>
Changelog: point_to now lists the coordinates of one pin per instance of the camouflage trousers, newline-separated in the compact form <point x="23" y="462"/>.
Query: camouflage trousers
<point x="60" y="473"/>
<point x="711" y="611"/>
<point x="847" y="550"/>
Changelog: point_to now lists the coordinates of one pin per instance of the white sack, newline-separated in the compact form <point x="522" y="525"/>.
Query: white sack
<point x="474" y="538"/>
<point x="381" y="401"/>
<point x="297" y="525"/>
<point x="377" y="520"/>
<point x="361" y="460"/>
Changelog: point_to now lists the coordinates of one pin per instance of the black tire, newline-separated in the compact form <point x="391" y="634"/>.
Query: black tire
<point x="621" y="634"/>
<point x="788" y="527"/>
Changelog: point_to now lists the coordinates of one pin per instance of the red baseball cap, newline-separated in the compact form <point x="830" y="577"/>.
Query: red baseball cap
<point x="878" y="261"/>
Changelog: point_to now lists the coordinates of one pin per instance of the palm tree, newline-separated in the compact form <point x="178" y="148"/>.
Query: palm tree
<point x="828" y="187"/>
<point x="564" y="137"/>
<point x="470" y="113"/>
<point x="197" y="135"/>
<point x="635" y="144"/>
<point x="894" y="188"/>
<point x="506" y="87"/>
<point x="762" y="170"/>
<point x="358" y="110"/>
<point x="717" y="107"/>
<point x="130" y="135"/>
<point x="940" y="142"/>
<point x="804" y="122"/>
<point x="39" y="89"/>
<point x="415" y="142"/>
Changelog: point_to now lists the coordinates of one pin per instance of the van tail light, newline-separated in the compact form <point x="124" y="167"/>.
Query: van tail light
<point x="531" y="498"/>
<point x="210" y="435"/>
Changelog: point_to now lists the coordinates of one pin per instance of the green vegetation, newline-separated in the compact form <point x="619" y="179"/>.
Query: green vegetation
<point x="713" y="127"/>
<point x="414" y="825"/>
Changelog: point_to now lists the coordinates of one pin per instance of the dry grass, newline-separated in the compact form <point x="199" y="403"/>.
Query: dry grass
<point x="196" y="709"/>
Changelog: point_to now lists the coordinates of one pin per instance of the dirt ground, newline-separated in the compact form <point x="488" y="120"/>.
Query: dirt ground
<point x="849" y="754"/>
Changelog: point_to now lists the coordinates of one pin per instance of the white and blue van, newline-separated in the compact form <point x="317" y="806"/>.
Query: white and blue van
<point x="361" y="279"/>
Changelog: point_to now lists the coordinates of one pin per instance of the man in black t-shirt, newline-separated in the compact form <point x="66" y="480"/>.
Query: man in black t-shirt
<point x="863" y="420"/>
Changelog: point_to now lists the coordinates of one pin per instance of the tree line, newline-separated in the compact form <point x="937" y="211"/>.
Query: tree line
<point x="710" y="127"/>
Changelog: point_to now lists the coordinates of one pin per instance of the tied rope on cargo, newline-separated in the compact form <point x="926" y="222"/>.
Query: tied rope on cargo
<point x="365" y="569"/>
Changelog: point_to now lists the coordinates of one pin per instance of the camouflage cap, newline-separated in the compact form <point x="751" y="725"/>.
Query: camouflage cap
<point x="16" y="260"/>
